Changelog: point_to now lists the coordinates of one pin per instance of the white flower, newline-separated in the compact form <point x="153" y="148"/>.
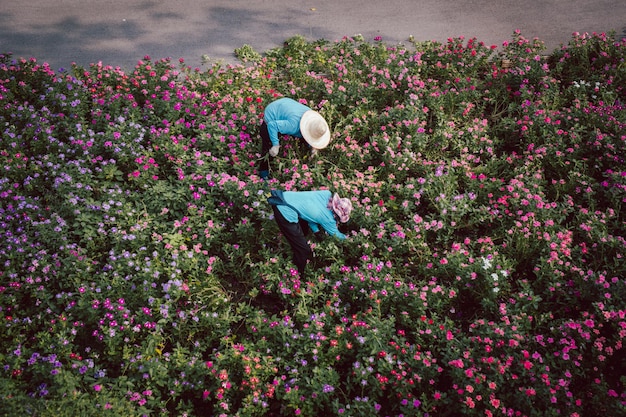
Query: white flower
<point x="486" y="263"/>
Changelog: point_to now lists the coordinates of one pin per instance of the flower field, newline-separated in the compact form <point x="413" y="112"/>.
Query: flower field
<point x="141" y="271"/>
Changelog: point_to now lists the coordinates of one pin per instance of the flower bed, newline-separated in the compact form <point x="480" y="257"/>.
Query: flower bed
<point x="142" y="273"/>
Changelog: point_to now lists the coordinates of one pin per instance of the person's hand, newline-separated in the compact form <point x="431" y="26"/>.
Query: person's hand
<point x="313" y="153"/>
<point x="274" y="150"/>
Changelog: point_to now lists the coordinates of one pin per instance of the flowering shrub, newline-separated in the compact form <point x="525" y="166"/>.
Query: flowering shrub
<point x="142" y="272"/>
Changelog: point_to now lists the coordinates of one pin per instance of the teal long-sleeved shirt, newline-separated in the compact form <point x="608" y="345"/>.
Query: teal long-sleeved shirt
<point x="313" y="207"/>
<point x="283" y="116"/>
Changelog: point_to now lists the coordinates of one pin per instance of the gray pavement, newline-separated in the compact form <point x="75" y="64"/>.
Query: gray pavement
<point x="120" y="32"/>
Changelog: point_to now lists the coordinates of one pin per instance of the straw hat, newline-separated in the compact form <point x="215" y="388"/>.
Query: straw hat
<point x="342" y="207"/>
<point x="314" y="129"/>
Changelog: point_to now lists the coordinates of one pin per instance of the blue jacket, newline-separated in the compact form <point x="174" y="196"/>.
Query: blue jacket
<point x="313" y="207"/>
<point x="283" y="116"/>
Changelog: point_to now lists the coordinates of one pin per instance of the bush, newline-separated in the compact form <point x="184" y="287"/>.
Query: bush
<point x="142" y="272"/>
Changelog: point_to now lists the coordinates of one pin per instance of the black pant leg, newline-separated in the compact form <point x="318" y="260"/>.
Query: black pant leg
<point x="266" y="144"/>
<point x="295" y="236"/>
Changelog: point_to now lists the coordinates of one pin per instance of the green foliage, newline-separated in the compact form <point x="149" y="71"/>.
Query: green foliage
<point x="246" y="53"/>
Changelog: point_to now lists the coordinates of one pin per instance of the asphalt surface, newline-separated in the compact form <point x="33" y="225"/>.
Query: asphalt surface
<point x="121" y="32"/>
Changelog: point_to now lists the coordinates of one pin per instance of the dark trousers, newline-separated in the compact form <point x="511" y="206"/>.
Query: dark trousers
<point x="266" y="144"/>
<point x="295" y="234"/>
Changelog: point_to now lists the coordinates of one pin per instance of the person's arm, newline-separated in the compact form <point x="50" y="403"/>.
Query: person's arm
<point x="331" y="229"/>
<point x="272" y="129"/>
<point x="314" y="227"/>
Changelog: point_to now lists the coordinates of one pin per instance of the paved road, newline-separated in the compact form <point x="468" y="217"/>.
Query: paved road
<point x="120" y="32"/>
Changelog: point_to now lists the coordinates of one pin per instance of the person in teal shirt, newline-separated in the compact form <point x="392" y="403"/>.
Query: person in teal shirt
<point x="297" y="212"/>
<point x="286" y="116"/>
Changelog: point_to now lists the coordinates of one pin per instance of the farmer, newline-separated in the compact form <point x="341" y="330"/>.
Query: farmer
<point x="288" y="117"/>
<point x="298" y="211"/>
